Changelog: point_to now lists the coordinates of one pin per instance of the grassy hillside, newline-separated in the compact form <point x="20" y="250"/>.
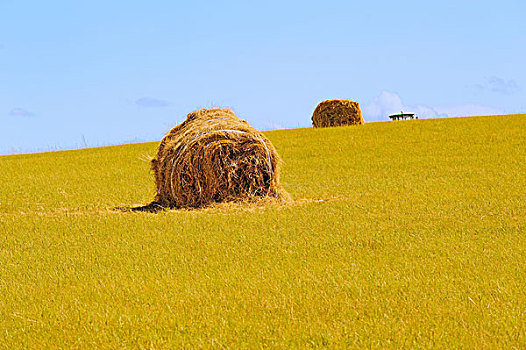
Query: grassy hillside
<point x="401" y="234"/>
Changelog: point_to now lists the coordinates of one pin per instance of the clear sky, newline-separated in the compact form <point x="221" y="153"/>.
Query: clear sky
<point x="97" y="72"/>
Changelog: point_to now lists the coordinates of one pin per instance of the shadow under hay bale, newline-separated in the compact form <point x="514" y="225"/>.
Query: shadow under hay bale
<point x="337" y="113"/>
<point x="213" y="156"/>
<point x="152" y="207"/>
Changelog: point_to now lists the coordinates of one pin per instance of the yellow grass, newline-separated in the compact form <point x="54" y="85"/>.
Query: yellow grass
<point x="401" y="234"/>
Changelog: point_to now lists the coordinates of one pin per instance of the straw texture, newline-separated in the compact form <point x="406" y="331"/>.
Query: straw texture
<point x="213" y="156"/>
<point x="337" y="113"/>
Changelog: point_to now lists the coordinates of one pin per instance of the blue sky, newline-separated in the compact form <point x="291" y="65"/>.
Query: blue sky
<point x="104" y="72"/>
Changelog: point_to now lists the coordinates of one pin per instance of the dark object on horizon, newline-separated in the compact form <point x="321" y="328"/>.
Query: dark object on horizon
<point x="402" y="116"/>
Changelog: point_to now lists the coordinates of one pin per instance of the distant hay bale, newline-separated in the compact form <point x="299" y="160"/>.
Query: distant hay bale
<point x="337" y="113"/>
<point x="213" y="156"/>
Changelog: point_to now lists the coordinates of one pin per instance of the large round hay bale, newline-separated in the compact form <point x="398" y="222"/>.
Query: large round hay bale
<point x="337" y="113"/>
<point x="213" y="156"/>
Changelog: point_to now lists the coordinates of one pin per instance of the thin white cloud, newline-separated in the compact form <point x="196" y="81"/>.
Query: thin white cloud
<point x="382" y="106"/>
<point x="150" y="102"/>
<point x="499" y="85"/>
<point x="469" y="110"/>
<point x="20" y="112"/>
<point x="388" y="103"/>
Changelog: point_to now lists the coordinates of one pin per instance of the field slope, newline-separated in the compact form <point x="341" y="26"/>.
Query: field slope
<point x="401" y="234"/>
